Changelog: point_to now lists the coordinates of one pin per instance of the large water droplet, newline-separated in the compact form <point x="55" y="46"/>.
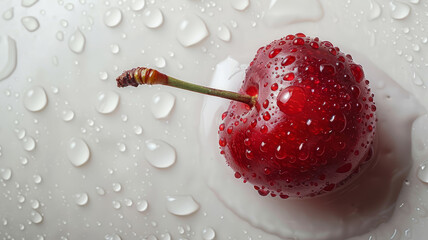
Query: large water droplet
<point x="162" y="104"/>
<point x="240" y="5"/>
<point x="152" y="18"/>
<point x="423" y="173"/>
<point x="28" y="3"/>
<point x="81" y="199"/>
<point x="223" y="33"/>
<point x="8" y="14"/>
<point x="30" y="23"/>
<point x="28" y="143"/>
<point x="67" y="115"/>
<point x="77" y="151"/>
<point x="285" y="12"/>
<point x="112" y="17"/>
<point x="142" y="205"/>
<point x="107" y="102"/>
<point x="36" y="217"/>
<point x="375" y="10"/>
<point x="114" y="48"/>
<point x="181" y="205"/>
<point x="399" y="10"/>
<point x="208" y="233"/>
<point x="35" y="99"/>
<point x="159" y="153"/>
<point x="137" y="5"/>
<point x="76" y="43"/>
<point x="191" y="30"/>
<point x="7" y="56"/>
<point x="5" y="173"/>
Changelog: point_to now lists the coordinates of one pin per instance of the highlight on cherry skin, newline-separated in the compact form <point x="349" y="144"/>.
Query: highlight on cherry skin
<point x="302" y="123"/>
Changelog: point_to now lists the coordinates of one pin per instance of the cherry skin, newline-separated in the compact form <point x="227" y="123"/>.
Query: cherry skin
<point x="313" y="124"/>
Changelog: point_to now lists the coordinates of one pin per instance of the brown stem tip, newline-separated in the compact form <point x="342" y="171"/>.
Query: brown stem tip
<point x="141" y="75"/>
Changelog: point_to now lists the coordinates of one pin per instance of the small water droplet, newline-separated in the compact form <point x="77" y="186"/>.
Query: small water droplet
<point x="100" y="191"/>
<point x="69" y="6"/>
<point x="20" y="133"/>
<point x="28" y="3"/>
<point x="35" y="99"/>
<point x="160" y="62"/>
<point x="423" y="173"/>
<point x="112" y="237"/>
<point x="223" y="33"/>
<point x="64" y="23"/>
<point x="77" y="151"/>
<point x="34" y="203"/>
<point x="8" y="14"/>
<point x="375" y="10"/>
<point x="399" y="10"/>
<point x="107" y="102"/>
<point x="67" y="115"/>
<point x="137" y="5"/>
<point x="117" y="187"/>
<point x="162" y="104"/>
<point x="208" y="233"/>
<point x="138" y="129"/>
<point x="36" y="217"/>
<point x="152" y="18"/>
<point x="181" y="205"/>
<point x="59" y="35"/>
<point x="8" y="56"/>
<point x="77" y="40"/>
<point x="81" y="199"/>
<point x="417" y="80"/>
<point x="116" y="204"/>
<point x="191" y="30"/>
<point x="240" y="5"/>
<point x="30" y="23"/>
<point x="112" y="17"/>
<point x="6" y="173"/>
<point x="103" y="75"/>
<point x="24" y="160"/>
<point x="28" y="143"/>
<point x="142" y="205"/>
<point x="159" y="153"/>
<point x="37" y="179"/>
<point x="114" y="48"/>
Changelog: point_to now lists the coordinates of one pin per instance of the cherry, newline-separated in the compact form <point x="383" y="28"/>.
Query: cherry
<point x="303" y="122"/>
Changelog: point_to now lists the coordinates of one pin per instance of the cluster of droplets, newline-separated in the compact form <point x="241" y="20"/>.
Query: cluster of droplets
<point x="314" y="112"/>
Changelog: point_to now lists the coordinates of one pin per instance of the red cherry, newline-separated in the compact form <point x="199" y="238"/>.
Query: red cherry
<point x="310" y="129"/>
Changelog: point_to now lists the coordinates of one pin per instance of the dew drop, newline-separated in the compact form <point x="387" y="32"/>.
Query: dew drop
<point x="37" y="179"/>
<point x="117" y="187"/>
<point x="30" y="23"/>
<point x="181" y="205"/>
<point x="399" y="10"/>
<point x="240" y="5"/>
<point x="34" y="203"/>
<point x="114" y="48"/>
<point x="159" y="153"/>
<point x="191" y="30"/>
<point x="137" y="5"/>
<point x="112" y="237"/>
<point x="35" y="99"/>
<point x="152" y="18"/>
<point x="160" y="62"/>
<point x="59" y="35"/>
<point x="7" y="57"/>
<point x="162" y="104"/>
<point x="28" y="3"/>
<point x="36" y="217"/>
<point x="77" y="152"/>
<point x="76" y="42"/>
<point x="142" y="205"/>
<point x="112" y="17"/>
<point x="417" y="80"/>
<point x="423" y="173"/>
<point x="100" y="191"/>
<point x="375" y="10"/>
<point x="138" y="129"/>
<point x="291" y="100"/>
<point x="67" y="115"/>
<point x="28" y="143"/>
<point x="81" y="199"/>
<point x="107" y="102"/>
<point x="116" y="204"/>
<point x="208" y="233"/>
<point x="8" y="14"/>
<point x="5" y="173"/>
<point x="223" y="33"/>
<point x="103" y="75"/>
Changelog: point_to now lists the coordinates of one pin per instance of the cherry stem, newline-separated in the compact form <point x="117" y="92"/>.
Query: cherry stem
<point x="141" y="75"/>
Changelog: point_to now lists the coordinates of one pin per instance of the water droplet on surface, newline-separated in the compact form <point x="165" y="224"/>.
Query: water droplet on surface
<point x="112" y="17"/>
<point x="28" y="143"/>
<point x="28" y="3"/>
<point x="152" y="18"/>
<point x="165" y="236"/>
<point x="116" y="204"/>
<point x="81" y="199"/>
<point x="291" y="100"/>
<point x="375" y="10"/>
<point x="7" y="57"/>
<point x="37" y="179"/>
<point x="112" y="237"/>
<point x="399" y="10"/>
<point x="103" y="75"/>
<point x="69" y="6"/>
<point x="20" y="133"/>
<point x="6" y="173"/>
<point x="181" y="205"/>
<point x="100" y="191"/>
<point x="117" y="187"/>
<point x="67" y="115"/>
<point x="142" y="205"/>
<point x="285" y="12"/>
<point x="76" y="43"/>
<point x="417" y="80"/>
<point x="77" y="152"/>
<point x="114" y="48"/>
<point x="137" y="5"/>
<point x="30" y="23"/>
<point x="159" y="153"/>
<point x="35" y="99"/>
<point x="128" y="202"/>
<point x="36" y="217"/>
<point x="34" y="203"/>
<point x="223" y="33"/>
<point x="160" y="62"/>
<point x="138" y="129"/>
<point x="107" y="102"/>
<point x="423" y="173"/>
<point x="240" y="5"/>
<point x="8" y="14"/>
<point x="162" y="104"/>
<point x="208" y="233"/>
<point x="191" y="30"/>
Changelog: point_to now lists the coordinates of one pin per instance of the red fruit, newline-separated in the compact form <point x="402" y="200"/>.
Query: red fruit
<point x="312" y="126"/>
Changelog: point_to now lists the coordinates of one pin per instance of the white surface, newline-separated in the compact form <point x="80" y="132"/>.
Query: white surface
<point x="74" y="56"/>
